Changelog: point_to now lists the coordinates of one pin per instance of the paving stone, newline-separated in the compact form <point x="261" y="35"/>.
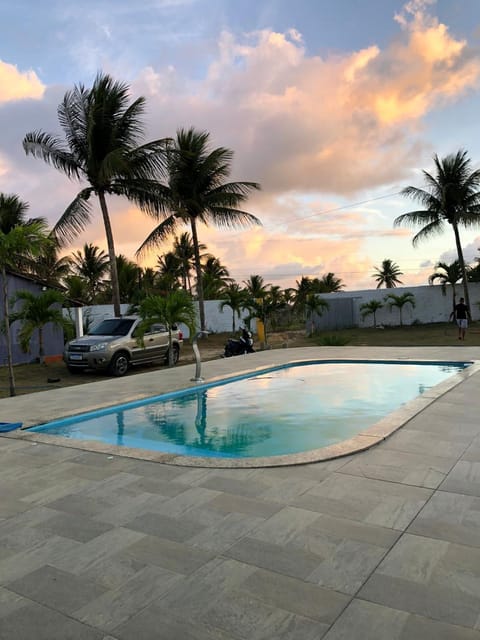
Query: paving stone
<point x="170" y="555"/>
<point x="80" y="505"/>
<point x="9" y="602"/>
<point x="434" y="578"/>
<point x="285" y="525"/>
<point x="57" y="589"/>
<point x="229" y="503"/>
<point x="371" y="501"/>
<point x="246" y="488"/>
<point x="412" y="440"/>
<point x="463" y="478"/>
<point x="181" y="504"/>
<point x="69" y="525"/>
<point x="287" y="560"/>
<point x="362" y="620"/>
<point x="115" y="607"/>
<point x="113" y="571"/>
<point x="222" y="535"/>
<point x="450" y="516"/>
<point x="397" y="466"/>
<point x="156" y="524"/>
<point x="296" y="596"/>
<point x="42" y="623"/>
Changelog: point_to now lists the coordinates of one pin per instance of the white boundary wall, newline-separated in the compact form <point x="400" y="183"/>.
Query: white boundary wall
<point x="430" y="304"/>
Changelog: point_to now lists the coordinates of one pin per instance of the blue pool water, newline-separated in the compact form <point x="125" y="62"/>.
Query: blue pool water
<point x="283" y="410"/>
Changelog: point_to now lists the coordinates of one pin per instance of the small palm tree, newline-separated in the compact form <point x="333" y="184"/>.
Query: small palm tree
<point x="35" y="313"/>
<point x="369" y="308"/>
<point x="169" y="310"/>
<point x="452" y="196"/>
<point x="184" y="250"/>
<point x="447" y="274"/>
<point x="314" y="305"/>
<point x="256" y="286"/>
<point x="102" y="135"/>
<point x="215" y="278"/>
<point x="388" y="275"/>
<point x="236" y="299"/>
<point x="196" y="192"/>
<point x="400" y="301"/>
<point x="19" y="237"/>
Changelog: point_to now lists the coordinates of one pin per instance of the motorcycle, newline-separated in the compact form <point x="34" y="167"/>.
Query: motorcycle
<point x="238" y="347"/>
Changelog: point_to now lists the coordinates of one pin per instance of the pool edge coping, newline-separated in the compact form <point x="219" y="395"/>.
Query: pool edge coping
<point x="365" y="439"/>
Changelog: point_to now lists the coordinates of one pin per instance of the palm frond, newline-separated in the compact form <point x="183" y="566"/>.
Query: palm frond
<point x="50" y="149"/>
<point x="155" y="237"/>
<point x="75" y="217"/>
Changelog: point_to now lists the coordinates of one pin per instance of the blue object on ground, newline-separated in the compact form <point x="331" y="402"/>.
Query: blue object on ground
<point x="9" y="426"/>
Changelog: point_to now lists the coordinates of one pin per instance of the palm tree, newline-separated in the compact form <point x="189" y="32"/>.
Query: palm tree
<point x="169" y="271"/>
<point x="91" y="264"/>
<point x="452" y="196"/>
<point x="235" y="298"/>
<point x="329" y="283"/>
<point x="102" y="134"/>
<point x="49" y="267"/>
<point x="169" y="310"/>
<point x="256" y="287"/>
<point x="19" y="236"/>
<point x="447" y="274"/>
<point x="184" y="250"/>
<point x="371" y="307"/>
<point x="215" y="278"/>
<point x="388" y="275"/>
<point x="196" y="193"/>
<point x="400" y="301"/>
<point x="36" y="312"/>
<point x="314" y="305"/>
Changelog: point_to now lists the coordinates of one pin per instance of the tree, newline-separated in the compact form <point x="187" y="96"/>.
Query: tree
<point x="452" y="196"/>
<point x="371" y="307"/>
<point x="215" y="278"/>
<point x="256" y="287"/>
<point x="388" y="275"/>
<point x="236" y="299"/>
<point x="314" y="305"/>
<point x="102" y="134"/>
<point x="35" y="313"/>
<point x="447" y="274"/>
<point x="169" y="310"/>
<point x="329" y="283"/>
<point x="400" y="301"/>
<point x="169" y="271"/>
<point x="184" y="250"/>
<point x="49" y="267"/>
<point x="91" y="264"/>
<point x="196" y="192"/>
<point x="19" y="236"/>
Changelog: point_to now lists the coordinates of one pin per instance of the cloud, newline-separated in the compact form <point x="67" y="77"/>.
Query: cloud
<point x="18" y="85"/>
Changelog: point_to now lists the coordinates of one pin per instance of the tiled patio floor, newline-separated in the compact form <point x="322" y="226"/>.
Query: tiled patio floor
<point x="381" y="545"/>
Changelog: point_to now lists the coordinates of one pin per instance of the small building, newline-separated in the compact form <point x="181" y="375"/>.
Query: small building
<point x="53" y="339"/>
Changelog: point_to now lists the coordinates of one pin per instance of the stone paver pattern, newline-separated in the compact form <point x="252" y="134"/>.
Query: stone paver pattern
<point x="383" y="544"/>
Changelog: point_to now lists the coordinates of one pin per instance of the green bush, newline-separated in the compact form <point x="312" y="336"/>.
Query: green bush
<point x="334" y="341"/>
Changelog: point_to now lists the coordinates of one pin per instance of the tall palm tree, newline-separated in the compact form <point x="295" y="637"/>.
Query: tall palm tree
<point x="329" y="283"/>
<point x="447" y="274"/>
<point x="169" y="270"/>
<point x="184" y="249"/>
<point x="235" y="298"/>
<point x="92" y="264"/>
<point x="38" y="310"/>
<point x="388" y="275"/>
<point x="452" y="196"/>
<point x="256" y="286"/>
<point x="196" y="192"/>
<point x="102" y="146"/>
<point x="19" y="237"/>
<point x="400" y="301"/>
<point x="215" y="278"/>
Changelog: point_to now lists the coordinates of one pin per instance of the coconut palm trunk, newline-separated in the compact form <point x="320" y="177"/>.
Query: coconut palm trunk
<point x="111" y="254"/>
<point x="198" y="270"/>
<point x="461" y="262"/>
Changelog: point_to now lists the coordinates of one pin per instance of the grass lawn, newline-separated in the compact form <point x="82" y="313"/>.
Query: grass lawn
<point x="35" y="377"/>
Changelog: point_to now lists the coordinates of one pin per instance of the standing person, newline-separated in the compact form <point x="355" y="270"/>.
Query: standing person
<point x="461" y="314"/>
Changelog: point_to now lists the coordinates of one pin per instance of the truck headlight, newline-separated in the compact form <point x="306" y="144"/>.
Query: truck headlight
<point x="101" y="346"/>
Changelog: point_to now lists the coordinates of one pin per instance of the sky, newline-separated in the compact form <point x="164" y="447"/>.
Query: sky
<point x="333" y="106"/>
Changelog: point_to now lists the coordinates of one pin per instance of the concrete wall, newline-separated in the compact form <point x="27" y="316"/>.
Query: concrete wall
<point x="52" y="335"/>
<point x="216" y="321"/>
<point x="430" y="306"/>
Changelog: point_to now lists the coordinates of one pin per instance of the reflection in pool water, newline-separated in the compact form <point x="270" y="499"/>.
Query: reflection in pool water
<point x="284" y="410"/>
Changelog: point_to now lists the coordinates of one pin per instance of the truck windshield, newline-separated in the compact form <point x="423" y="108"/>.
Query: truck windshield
<point x="112" y="327"/>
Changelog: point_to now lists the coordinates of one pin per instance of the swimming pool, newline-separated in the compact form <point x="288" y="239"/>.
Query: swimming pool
<point x="279" y="411"/>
